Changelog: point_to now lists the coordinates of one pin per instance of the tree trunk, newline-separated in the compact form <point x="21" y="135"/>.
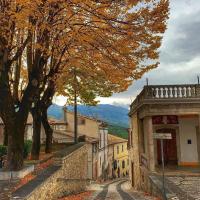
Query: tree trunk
<point x="15" y="146"/>
<point x="48" y="131"/>
<point x="14" y="123"/>
<point x="14" y="115"/>
<point x="5" y="138"/>
<point x="35" y="151"/>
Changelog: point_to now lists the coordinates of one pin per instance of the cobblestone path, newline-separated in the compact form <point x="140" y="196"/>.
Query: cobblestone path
<point x="119" y="190"/>
<point x="185" y="187"/>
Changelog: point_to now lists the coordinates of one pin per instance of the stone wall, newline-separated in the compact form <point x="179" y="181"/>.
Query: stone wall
<point x="135" y="175"/>
<point x="69" y="174"/>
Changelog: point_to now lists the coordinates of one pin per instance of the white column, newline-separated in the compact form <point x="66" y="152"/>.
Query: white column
<point x="149" y="133"/>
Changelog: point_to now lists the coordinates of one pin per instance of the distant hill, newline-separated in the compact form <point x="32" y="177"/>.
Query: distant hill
<point x="116" y="116"/>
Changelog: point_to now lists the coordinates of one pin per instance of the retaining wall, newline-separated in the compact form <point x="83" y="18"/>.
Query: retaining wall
<point x="68" y="174"/>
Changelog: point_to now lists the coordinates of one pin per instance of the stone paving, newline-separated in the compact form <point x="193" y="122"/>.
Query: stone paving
<point x="118" y="190"/>
<point x="189" y="185"/>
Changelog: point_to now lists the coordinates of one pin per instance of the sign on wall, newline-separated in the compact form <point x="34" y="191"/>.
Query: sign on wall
<point x="162" y="136"/>
<point x="168" y="119"/>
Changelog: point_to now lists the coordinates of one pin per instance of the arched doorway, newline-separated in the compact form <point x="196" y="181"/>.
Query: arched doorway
<point x="169" y="148"/>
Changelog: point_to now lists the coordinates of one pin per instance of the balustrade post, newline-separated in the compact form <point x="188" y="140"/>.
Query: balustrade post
<point x="173" y="92"/>
<point x="193" y="91"/>
<point x="198" y="90"/>
<point x="187" y="91"/>
<point x="164" y="92"/>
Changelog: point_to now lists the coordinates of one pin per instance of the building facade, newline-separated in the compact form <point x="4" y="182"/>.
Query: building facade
<point x="103" y="153"/>
<point x="117" y="157"/>
<point x="173" y="109"/>
<point x="86" y="125"/>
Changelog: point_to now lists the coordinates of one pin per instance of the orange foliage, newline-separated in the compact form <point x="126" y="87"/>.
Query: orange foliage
<point x="25" y="180"/>
<point x="114" y="38"/>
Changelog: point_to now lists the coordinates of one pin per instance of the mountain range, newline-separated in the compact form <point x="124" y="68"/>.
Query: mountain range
<point x="114" y="115"/>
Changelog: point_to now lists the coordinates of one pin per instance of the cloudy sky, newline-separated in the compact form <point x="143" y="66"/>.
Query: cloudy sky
<point x="179" y="54"/>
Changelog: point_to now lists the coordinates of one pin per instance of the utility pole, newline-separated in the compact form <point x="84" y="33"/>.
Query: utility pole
<point x="161" y="137"/>
<point x="75" y="110"/>
<point x="147" y="82"/>
<point x="163" y="170"/>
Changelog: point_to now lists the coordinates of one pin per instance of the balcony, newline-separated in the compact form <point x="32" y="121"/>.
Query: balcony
<point x="167" y="94"/>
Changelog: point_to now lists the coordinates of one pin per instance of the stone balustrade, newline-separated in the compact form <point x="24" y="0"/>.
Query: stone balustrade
<point x="171" y="91"/>
<point x="167" y="93"/>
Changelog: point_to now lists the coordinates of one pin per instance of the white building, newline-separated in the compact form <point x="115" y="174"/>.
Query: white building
<point x="103" y="152"/>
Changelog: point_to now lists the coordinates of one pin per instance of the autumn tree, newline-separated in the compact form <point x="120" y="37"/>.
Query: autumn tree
<point x="26" y="28"/>
<point x="114" y="38"/>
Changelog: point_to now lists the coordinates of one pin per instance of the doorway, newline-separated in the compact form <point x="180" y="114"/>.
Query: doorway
<point x="132" y="174"/>
<point x="169" y="148"/>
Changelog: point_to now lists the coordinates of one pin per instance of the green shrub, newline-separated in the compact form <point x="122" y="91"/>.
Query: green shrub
<point x="3" y="150"/>
<point x="27" y="148"/>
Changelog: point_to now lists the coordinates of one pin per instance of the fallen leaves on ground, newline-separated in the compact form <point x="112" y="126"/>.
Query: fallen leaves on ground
<point x="32" y="175"/>
<point x="146" y="194"/>
<point x="43" y="165"/>
<point x="81" y="196"/>
<point x="24" y="180"/>
<point x="43" y="156"/>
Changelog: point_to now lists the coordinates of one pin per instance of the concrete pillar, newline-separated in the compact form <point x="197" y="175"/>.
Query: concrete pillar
<point x="149" y="133"/>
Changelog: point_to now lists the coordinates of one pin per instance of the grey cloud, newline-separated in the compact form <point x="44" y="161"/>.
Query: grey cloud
<point x="180" y="51"/>
<point x="181" y="41"/>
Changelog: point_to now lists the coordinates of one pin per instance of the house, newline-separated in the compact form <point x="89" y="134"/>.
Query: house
<point x="86" y="125"/>
<point x="94" y="132"/>
<point x="117" y="157"/>
<point x="173" y="109"/>
<point x="59" y="131"/>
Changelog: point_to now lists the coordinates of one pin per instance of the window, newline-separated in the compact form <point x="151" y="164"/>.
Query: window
<point x="127" y="161"/>
<point x="122" y="148"/>
<point x="117" y="149"/>
<point x="81" y="121"/>
<point x="123" y="164"/>
<point x="130" y="138"/>
<point x="100" y="161"/>
<point x="115" y="164"/>
<point x="189" y="141"/>
<point x="94" y="146"/>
